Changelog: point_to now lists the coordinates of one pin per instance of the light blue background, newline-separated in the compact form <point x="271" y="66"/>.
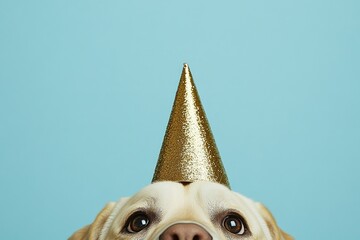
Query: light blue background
<point x="86" y="89"/>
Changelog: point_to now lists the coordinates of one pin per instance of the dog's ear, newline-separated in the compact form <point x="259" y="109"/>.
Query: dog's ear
<point x="275" y="231"/>
<point x="92" y="231"/>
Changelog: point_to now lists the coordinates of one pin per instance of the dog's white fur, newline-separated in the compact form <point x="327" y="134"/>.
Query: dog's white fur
<point x="171" y="203"/>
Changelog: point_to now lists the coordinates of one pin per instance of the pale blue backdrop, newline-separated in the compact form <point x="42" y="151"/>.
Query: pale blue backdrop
<point x="86" y="89"/>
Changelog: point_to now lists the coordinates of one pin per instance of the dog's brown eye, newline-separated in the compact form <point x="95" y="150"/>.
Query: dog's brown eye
<point x="137" y="222"/>
<point x="234" y="224"/>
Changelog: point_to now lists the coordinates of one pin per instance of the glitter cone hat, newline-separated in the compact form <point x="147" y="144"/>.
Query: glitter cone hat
<point x="189" y="152"/>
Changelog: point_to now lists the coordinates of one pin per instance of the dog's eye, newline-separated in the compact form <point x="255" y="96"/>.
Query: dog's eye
<point x="234" y="224"/>
<point x="137" y="222"/>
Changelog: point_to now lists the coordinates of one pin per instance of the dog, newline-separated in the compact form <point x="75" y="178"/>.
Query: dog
<point x="168" y="210"/>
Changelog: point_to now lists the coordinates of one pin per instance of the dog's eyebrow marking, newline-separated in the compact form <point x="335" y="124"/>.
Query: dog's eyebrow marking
<point x="147" y="201"/>
<point x="150" y="201"/>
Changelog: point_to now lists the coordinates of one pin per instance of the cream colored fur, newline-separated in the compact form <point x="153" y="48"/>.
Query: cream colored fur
<point x="171" y="203"/>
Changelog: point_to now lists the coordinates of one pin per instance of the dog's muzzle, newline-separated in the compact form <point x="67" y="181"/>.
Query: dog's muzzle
<point x="185" y="231"/>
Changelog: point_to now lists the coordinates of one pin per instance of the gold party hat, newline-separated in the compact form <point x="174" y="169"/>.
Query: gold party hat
<point x="189" y="152"/>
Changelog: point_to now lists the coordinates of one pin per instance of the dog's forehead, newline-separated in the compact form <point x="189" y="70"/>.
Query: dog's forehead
<point x="216" y="196"/>
<point x="184" y="201"/>
<point x="161" y="190"/>
<point x="200" y="187"/>
<point x="208" y="189"/>
<point x="196" y="192"/>
<point x="202" y="196"/>
<point x="157" y="194"/>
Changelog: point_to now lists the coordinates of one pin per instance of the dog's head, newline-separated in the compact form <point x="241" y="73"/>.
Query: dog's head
<point x="175" y="211"/>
